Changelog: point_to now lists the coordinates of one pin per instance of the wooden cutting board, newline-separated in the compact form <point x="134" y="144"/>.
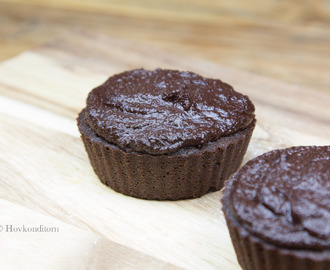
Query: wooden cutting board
<point x="46" y="178"/>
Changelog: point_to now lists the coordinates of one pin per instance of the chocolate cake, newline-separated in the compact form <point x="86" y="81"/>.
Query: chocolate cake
<point x="277" y="209"/>
<point x="165" y="134"/>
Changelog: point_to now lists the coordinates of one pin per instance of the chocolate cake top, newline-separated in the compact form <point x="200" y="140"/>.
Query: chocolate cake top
<point x="161" y="111"/>
<point x="283" y="197"/>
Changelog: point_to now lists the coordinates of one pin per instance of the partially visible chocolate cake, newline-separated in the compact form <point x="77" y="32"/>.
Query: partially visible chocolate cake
<point x="165" y="134"/>
<point x="277" y="209"/>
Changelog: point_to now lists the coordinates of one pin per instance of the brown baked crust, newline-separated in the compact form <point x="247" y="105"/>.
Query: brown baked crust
<point x="254" y="252"/>
<point x="188" y="173"/>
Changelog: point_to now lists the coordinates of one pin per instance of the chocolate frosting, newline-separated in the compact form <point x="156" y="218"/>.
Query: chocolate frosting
<point x="283" y="197"/>
<point x="161" y="111"/>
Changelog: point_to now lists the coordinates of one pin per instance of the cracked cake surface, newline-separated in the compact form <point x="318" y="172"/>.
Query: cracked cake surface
<point x="283" y="197"/>
<point x="161" y="111"/>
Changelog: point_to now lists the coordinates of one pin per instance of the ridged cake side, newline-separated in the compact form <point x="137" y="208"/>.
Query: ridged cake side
<point x="188" y="173"/>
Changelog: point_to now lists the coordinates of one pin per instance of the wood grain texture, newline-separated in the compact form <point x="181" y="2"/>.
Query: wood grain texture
<point x="287" y="40"/>
<point x="42" y="242"/>
<point x="44" y="167"/>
